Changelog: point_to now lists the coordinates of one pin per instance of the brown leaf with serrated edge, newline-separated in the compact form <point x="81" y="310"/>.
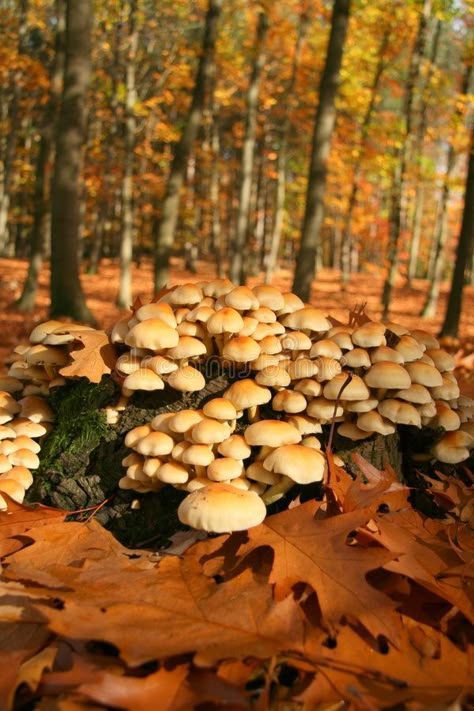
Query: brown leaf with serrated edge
<point x="92" y="356"/>
<point x="315" y="551"/>
<point x="151" y="611"/>
<point x="426" y="667"/>
<point x="18" y="519"/>
<point x="382" y="487"/>
<point x="425" y="555"/>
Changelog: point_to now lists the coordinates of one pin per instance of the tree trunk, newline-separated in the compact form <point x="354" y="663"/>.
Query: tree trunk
<point x="42" y="194"/>
<point x="124" y="297"/>
<point x="238" y="263"/>
<point x="67" y="297"/>
<point x="346" y="245"/>
<point x="170" y="208"/>
<point x="402" y="158"/>
<point x="323" y="128"/>
<point x="287" y="101"/>
<point x="414" y="247"/>
<point x="441" y="232"/>
<point x="450" y="325"/>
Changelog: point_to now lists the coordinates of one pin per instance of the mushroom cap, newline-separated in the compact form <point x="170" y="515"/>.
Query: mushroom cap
<point x="351" y="431"/>
<point x="453" y="447"/>
<point x="235" y="446"/>
<point x="295" y="341"/>
<point x="241" y="349"/>
<point x="198" y="455"/>
<point x="425" y="338"/>
<point x="369" y="334"/>
<point x="186" y="379"/>
<point x="270" y="344"/>
<point x="257" y="472"/>
<point x="323" y="409"/>
<point x="355" y="389"/>
<point x="302" y="368"/>
<point x="21" y="474"/>
<point x="273" y="376"/>
<point x="226" y="320"/>
<point x="143" y="379"/>
<point x="159" y="310"/>
<point x="153" y="334"/>
<point x="409" y="348"/>
<point x="291" y="303"/>
<point x="263" y="314"/>
<point x="247" y="393"/>
<point x="373" y="421"/>
<point x="325" y="347"/>
<point x="217" y="287"/>
<point x="308" y="386"/>
<point x="416" y="393"/>
<point x="424" y="374"/>
<point x="24" y="458"/>
<point x="41" y="354"/>
<point x="209" y="431"/>
<point x="289" y="401"/>
<point x="36" y="409"/>
<point x="443" y="360"/>
<point x="221" y="508"/>
<point x="302" y="464"/>
<point x="307" y="318"/>
<point x="400" y="412"/>
<point x="241" y="298"/>
<point x="357" y="358"/>
<point x="445" y="417"/>
<point x="186" y="294"/>
<point x="305" y="424"/>
<point x="172" y="473"/>
<point x="385" y="353"/>
<point x="273" y="433"/>
<point x="387" y="374"/>
<point x="269" y="296"/>
<point x="328" y="368"/>
<point x="13" y="488"/>
<point x="39" y="332"/>
<point x="224" y="468"/>
<point x="158" y="364"/>
<point x="220" y="408"/>
<point x="187" y="347"/>
<point x="154" y="444"/>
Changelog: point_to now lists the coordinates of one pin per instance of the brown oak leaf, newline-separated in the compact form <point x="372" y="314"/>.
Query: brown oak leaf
<point x="92" y="356"/>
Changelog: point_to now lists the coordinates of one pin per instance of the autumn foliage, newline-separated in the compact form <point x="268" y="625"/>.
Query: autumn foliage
<point x="357" y="599"/>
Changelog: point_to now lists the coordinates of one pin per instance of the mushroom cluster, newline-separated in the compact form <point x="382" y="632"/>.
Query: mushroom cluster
<point x="285" y="359"/>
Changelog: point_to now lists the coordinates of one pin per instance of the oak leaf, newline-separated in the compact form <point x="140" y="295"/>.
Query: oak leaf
<point x="316" y="551"/>
<point x="92" y="356"/>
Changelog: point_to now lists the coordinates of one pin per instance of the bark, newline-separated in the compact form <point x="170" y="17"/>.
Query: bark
<point x="217" y="240"/>
<point x="287" y="101"/>
<point x="464" y="253"/>
<point x="124" y="297"/>
<point x="346" y="245"/>
<point x="323" y="128"/>
<point x="238" y="263"/>
<point x="42" y="191"/>
<point x="67" y="297"/>
<point x="402" y="158"/>
<point x="418" y="150"/>
<point x="441" y="232"/>
<point x="170" y="208"/>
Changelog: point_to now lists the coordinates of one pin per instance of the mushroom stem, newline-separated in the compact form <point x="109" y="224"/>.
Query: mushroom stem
<point x="253" y="413"/>
<point x="277" y="491"/>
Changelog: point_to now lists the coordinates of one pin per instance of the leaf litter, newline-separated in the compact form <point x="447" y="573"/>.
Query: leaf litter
<point x="357" y="600"/>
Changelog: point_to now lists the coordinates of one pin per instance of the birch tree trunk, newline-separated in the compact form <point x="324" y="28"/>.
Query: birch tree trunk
<point x="124" y="297"/>
<point x="323" y="128"/>
<point x="238" y="267"/>
<point x="67" y="297"/>
<point x="169" y="214"/>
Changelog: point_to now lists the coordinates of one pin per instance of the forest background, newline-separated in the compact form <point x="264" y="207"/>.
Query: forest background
<point x="252" y="136"/>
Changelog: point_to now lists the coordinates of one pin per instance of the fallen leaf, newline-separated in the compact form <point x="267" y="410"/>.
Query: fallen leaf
<point x="316" y="552"/>
<point x="92" y="356"/>
<point x="31" y="671"/>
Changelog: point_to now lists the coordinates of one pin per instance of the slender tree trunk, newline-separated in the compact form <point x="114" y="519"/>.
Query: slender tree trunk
<point x="67" y="297"/>
<point x="124" y="297"/>
<point x="272" y="256"/>
<point x="464" y="253"/>
<point x="441" y="233"/>
<point x="402" y="159"/>
<point x="238" y="263"/>
<point x="323" y="128"/>
<point x="414" y="247"/>
<point x="41" y="224"/>
<point x="346" y="246"/>
<point x="170" y="208"/>
<point x="216" y="231"/>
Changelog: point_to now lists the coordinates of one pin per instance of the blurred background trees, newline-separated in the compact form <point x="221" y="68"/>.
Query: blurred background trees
<point x="395" y="174"/>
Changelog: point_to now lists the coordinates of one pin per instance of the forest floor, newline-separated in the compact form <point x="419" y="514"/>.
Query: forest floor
<point x="327" y="294"/>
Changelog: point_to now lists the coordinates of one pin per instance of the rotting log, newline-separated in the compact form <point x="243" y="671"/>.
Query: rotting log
<point x="81" y="457"/>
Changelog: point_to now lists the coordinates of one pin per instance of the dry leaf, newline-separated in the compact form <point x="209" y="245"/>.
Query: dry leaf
<point x="92" y="356"/>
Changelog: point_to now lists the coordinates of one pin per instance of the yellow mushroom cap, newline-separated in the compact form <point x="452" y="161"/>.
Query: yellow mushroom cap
<point x="221" y="508"/>
<point x="302" y="464"/>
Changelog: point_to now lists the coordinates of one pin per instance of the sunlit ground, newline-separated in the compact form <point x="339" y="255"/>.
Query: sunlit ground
<point x="327" y="294"/>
